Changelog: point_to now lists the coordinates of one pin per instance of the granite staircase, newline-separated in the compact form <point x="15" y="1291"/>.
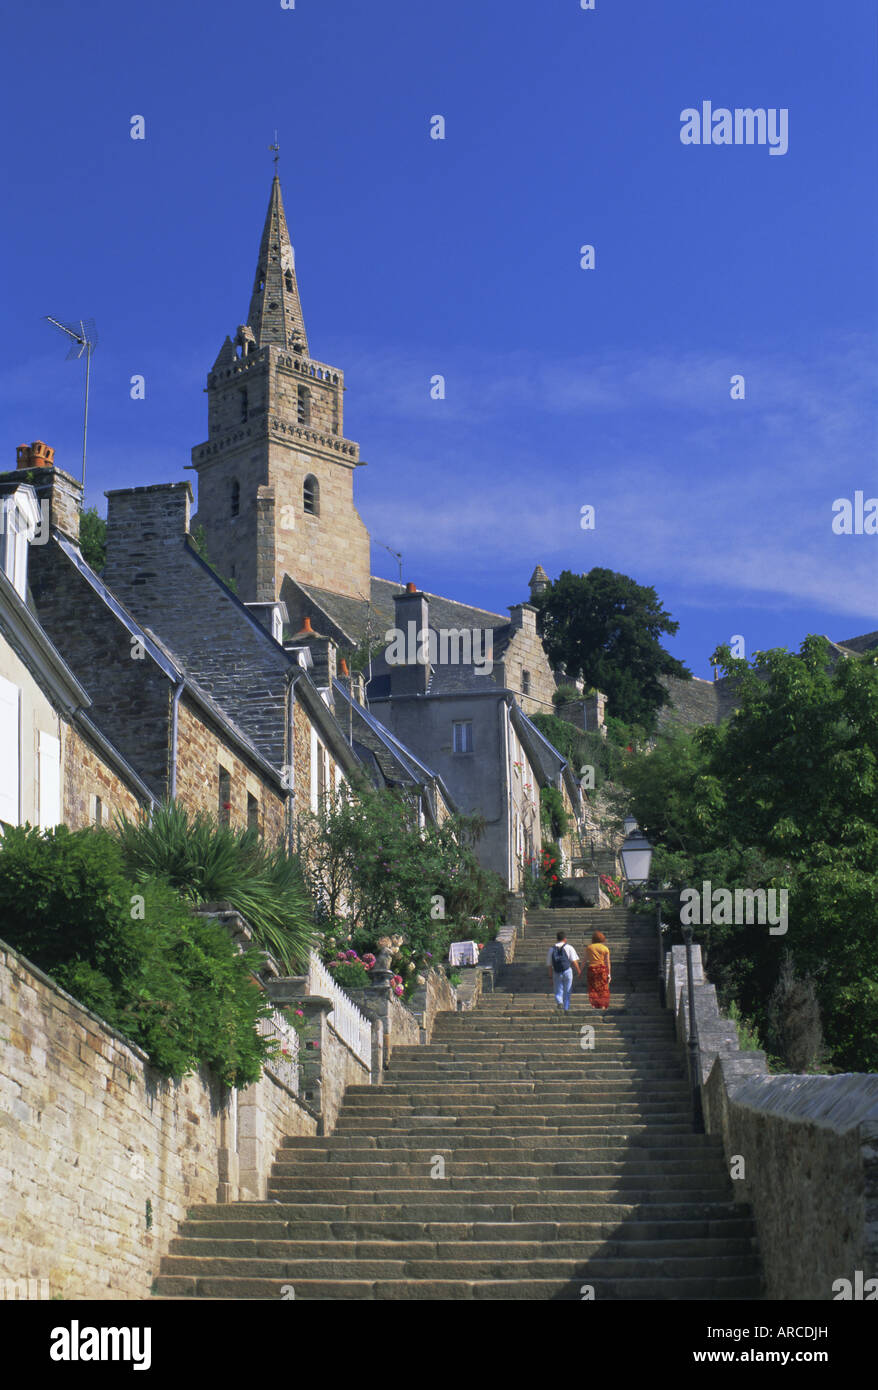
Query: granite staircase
<point x="509" y="1159"/>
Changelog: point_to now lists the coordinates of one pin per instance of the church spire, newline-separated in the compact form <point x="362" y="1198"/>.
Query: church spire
<point x="275" y="310"/>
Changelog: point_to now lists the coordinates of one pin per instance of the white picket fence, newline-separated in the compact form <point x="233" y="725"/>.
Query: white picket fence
<point x="284" y="1062"/>
<point x="349" y="1022"/>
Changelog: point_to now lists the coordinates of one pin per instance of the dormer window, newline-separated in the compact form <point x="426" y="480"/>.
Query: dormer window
<point x="260" y="279"/>
<point x="311" y="496"/>
<point x="288" y="280"/>
<point x="20" y="518"/>
<point x="235" y="498"/>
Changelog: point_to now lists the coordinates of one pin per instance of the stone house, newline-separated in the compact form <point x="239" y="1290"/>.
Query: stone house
<point x="56" y="764"/>
<point x="474" y="733"/>
<point x="190" y="685"/>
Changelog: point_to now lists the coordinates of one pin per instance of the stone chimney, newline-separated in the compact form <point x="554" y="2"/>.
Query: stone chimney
<point x="323" y="653"/>
<point x="60" y="491"/>
<point x="143" y="525"/>
<point x="411" y="677"/>
<point x="355" y="682"/>
<point x="524" y="616"/>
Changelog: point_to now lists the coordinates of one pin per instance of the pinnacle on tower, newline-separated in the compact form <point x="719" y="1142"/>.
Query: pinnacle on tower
<point x="275" y="310"/>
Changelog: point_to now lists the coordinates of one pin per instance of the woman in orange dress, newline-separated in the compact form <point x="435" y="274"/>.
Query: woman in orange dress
<point x="597" y="956"/>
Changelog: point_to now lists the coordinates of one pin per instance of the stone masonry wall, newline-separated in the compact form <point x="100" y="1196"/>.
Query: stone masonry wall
<point x="200" y="753"/>
<point x="809" y="1146"/>
<point x="85" y="777"/>
<point x="100" y="1157"/>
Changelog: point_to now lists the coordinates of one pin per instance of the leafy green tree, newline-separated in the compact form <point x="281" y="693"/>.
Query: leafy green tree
<point x="93" y="539"/>
<point x="132" y="951"/>
<point x="782" y="795"/>
<point x="605" y="628"/>
<point x="370" y="866"/>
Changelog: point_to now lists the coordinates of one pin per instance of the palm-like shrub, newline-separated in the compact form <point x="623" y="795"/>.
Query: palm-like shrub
<point x="208" y="862"/>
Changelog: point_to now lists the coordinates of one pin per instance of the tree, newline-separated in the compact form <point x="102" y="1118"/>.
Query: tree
<point x="93" y="539"/>
<point x="782" y="795"/>
<point x="605" y="628"/>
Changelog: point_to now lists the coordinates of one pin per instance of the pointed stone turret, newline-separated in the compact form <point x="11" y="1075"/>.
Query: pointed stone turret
<point x="275" y="474"/>
<point x="275" y="309"/>
<point x="538" y="582"/>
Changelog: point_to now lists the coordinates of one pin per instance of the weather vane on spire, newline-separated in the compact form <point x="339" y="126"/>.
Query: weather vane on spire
<point x="276" y="148"/>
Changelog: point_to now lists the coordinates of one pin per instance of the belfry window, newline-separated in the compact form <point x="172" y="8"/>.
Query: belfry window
<point x="235" y="498"/>
<point x="304" y="406"/>
<point x="311" y="496"/>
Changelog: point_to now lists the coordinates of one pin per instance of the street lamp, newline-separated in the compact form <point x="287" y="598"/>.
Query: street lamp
<point x="636" y="856"/>
<point x="629" y="825"/>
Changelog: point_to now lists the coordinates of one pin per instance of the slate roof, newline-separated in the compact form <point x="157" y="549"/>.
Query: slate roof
<point x="867" y="643"/>
<point x="350" y="615"/>
<point x="396" y="764"/>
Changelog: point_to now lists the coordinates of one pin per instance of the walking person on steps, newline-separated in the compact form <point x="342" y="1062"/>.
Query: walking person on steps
<point x="561" y="960"/>
<point x="597" y="959"/>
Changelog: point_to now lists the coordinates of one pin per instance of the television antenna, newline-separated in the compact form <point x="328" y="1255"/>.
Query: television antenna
<point x="396" y="554"/>
<point x="84" y="340"/>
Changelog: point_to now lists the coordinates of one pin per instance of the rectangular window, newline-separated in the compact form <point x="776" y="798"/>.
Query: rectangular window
<point x="98" y="811"/>
<point x="462" y="736"/>
<point x="224" y="810"/>
<point x="10" y="762"/>
<point x="525" y="682"/>
<point x="252" y="813"/>
<point x="50" y="780"/>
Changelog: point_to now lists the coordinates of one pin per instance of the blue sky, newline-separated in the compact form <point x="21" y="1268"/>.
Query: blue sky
<point x="564" y="387"/>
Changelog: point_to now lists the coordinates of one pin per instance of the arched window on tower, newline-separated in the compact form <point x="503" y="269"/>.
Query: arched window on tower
<point x="235" y="498"/>
<point x="244" y="406"/>
<point x="304" y="406"/>
<point x="311" y="496"/>
<point x="288" y="280"/>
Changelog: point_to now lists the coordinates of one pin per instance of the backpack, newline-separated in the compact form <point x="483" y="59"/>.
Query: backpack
<point x="560" y="958"/>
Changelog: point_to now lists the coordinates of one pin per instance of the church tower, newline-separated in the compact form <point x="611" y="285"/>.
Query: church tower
<point x="275" y="475"/>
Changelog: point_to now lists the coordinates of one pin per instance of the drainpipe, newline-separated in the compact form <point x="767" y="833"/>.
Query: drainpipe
<point x="504" y="722"/>
<point x="290" y="765"/>
<point x="177" y="693"/>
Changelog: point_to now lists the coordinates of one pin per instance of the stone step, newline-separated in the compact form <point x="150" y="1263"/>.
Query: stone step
<point x="472" y="1268"/>
<point x="526" y="1290"/>
<point x="716" y="1247"/>
<point x="268" y="1220"/>
<point x="479" y="1207"/>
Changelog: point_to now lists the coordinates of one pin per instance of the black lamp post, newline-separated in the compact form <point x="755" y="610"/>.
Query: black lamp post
<point x="636" y="854"/>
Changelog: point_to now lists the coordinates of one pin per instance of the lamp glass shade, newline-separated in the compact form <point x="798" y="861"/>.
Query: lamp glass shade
<point x="629" y="825"/>
<point x="636" y="856"/>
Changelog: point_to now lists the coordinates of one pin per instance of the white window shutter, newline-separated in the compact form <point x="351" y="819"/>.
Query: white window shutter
<point x="50" y="780"/>
<point x="10" y="754"/>
<point x="315" y="754"/>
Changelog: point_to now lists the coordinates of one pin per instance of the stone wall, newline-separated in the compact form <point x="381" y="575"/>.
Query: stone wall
<point x="809" y="1146"/>
<point x="201" y="750"/>
<point x="86" y="776"/>
<point x="100" y="1157"/>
